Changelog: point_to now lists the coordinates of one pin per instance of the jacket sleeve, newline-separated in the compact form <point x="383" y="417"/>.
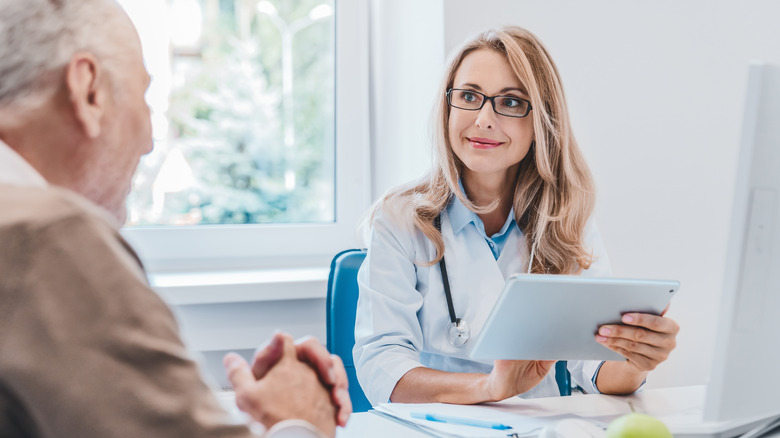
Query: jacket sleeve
<point x="388" y="335"/>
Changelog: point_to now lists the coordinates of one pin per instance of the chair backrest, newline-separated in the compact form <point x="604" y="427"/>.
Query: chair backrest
<point x="340" y="318"/>
<point x="563" y="378"/>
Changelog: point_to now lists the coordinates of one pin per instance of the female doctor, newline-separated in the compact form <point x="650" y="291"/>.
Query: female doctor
<point x="509" y="193"/>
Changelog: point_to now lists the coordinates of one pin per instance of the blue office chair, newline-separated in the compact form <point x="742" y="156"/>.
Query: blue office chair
<point x="340" y="318"/>
<point x="563" y="378"/>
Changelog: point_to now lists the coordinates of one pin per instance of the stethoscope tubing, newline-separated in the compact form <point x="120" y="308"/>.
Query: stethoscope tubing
<point x="445" y="278"/>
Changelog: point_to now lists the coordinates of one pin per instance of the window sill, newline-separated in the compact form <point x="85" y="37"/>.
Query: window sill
<point x="217" y="287"/>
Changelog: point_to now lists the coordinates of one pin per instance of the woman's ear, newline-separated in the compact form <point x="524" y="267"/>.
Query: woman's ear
<point x="87" y="91"/>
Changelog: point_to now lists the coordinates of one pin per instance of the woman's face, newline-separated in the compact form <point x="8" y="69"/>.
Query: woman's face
<point x="489" y="144"/>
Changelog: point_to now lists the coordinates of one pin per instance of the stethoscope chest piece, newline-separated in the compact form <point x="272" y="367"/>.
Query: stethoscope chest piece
<point x="458" y="333"/>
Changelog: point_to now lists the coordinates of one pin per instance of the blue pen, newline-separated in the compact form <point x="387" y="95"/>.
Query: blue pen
<point x="458" y="420"/>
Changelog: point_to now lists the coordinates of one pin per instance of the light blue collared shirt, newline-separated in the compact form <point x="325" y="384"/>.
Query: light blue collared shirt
<point x="460" y="216"/>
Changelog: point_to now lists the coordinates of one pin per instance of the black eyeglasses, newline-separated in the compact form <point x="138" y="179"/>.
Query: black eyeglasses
<point x="469" y="100"/>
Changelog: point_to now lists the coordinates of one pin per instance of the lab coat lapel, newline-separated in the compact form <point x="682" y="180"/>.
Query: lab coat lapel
<point x="512" y="260"/>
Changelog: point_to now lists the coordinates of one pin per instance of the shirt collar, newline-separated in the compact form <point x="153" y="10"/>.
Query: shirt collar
<point x="15" y="171"/>
<point x="460" y="216"/>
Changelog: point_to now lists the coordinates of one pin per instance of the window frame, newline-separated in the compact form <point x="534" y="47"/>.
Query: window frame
<point x="257" y="246"/>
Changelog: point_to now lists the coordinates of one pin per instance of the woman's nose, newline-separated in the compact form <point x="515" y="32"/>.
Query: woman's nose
<point x="486" y="116"/>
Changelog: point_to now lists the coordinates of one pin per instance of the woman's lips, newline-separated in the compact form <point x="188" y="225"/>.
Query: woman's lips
<point x="483" y="143"/>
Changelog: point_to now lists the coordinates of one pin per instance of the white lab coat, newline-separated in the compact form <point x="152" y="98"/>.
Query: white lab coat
<point x="402" y="313"/>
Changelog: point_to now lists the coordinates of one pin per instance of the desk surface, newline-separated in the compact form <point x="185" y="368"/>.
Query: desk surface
<point x="664" y="403"/>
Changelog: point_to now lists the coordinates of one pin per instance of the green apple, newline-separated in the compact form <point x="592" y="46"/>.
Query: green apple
<point x="635" y="425"/>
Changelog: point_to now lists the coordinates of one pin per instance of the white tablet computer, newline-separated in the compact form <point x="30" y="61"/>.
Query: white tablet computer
<point x="556" y="317"/>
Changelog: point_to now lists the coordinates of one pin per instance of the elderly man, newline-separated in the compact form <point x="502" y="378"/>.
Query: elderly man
<point x="87" y="349"/>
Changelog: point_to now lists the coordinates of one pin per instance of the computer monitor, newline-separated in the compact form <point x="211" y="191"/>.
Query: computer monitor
<point x="744" y="381"/>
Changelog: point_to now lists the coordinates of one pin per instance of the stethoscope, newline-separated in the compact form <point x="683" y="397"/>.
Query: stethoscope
<point x="458" y="331"/>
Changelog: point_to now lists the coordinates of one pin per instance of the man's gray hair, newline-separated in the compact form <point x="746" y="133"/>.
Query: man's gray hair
<point x="38" y="39"/>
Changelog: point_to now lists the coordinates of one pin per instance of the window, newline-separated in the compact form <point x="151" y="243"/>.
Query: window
<point x="261" y="131"/>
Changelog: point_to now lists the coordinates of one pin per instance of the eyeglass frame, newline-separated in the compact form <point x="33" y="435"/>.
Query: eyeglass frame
<point x="485" y="99"/>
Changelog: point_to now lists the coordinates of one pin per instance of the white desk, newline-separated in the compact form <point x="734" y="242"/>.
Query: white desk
<point x="666" y="403"/>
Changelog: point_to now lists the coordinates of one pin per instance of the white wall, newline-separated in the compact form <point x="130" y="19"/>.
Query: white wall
<point x="656" y="92"/>
<point x="407" y="57"/>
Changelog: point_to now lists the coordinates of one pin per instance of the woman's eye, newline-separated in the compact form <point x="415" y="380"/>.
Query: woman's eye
<point x="469" y="97"/>
<point x="510" y="102"/>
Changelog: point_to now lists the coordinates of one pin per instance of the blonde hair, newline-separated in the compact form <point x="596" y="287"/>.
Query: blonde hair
<point x="554" y="193"/>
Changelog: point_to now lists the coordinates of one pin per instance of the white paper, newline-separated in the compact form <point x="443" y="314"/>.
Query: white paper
<point x="521" y="425"/>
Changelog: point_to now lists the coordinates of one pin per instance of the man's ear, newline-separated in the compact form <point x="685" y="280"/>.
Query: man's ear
<point x="88" y="91"/>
